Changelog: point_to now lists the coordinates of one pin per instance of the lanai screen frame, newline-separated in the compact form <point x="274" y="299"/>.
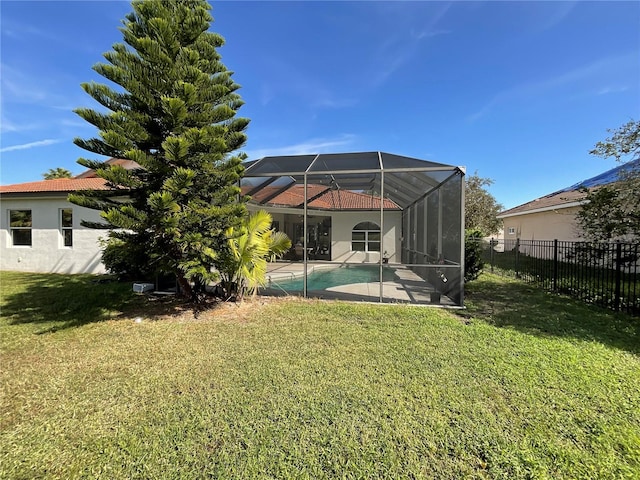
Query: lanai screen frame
<point x="360" y="171"/>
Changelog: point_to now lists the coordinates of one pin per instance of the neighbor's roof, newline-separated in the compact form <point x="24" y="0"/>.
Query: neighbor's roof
<point x="553" y="201"/>
<point x="127" y="164"/>
<point x="571" y="196"/>
<point x="60" y="185"/>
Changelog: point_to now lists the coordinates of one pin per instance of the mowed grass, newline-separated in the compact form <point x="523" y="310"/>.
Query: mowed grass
<point x="522" y="384"/>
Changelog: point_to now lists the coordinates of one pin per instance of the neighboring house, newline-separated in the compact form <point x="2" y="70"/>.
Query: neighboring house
<point x="546" y="218"/>
<point x="554" y="216"/>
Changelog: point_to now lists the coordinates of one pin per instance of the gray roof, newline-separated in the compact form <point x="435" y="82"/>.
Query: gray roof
<point x="573" y="195"/>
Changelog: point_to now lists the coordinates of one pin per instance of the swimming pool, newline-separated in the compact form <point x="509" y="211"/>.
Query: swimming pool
<point x="323" y="279"/>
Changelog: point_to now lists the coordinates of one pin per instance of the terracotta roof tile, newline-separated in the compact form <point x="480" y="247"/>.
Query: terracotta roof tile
<point x="56" y="185"/>
<point x="127" y="164"/>
<point x="322" y="198"/>
<point x="325" y="199"/>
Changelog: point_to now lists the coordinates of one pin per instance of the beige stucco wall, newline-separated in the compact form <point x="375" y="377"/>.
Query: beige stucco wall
<point x="549" y="225"/>
<point x="47" y="253"/>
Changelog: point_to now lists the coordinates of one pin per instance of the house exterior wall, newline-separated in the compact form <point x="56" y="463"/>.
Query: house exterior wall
<point x="557" y="224"/>
<point x="47" y="253"/>
<point x="342" y="224"/>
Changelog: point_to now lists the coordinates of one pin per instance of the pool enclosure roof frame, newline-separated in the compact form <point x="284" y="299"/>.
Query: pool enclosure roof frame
<point x="351" y="171"/>
<point x="404" y="180"/>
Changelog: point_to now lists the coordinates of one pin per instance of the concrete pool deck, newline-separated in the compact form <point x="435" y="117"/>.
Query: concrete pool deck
<point x="407" y="287"/>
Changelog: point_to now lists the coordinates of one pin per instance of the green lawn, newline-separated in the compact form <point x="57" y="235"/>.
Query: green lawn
<point x="522" y="384"/>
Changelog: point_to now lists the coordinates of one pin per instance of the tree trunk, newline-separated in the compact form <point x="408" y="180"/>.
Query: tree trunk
<point x="185" y="287"/>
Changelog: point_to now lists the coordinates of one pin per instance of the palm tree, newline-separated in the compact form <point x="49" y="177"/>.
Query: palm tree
<point x="244" y="267"/>
<point x="57" y="173"/>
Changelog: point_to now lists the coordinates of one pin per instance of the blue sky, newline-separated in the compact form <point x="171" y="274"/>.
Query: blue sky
<point x="517" y="91"/>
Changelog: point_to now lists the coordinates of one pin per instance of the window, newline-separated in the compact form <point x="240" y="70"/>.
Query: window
<point x="365" y="237"/>
<point x="66" y="226"/>
<point x="512" y="230"/>
<point x="20" y="226"/>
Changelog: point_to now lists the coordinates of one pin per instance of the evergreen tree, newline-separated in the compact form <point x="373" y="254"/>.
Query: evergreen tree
<point x="174" y="113"/>
<point x="54" y="173"/>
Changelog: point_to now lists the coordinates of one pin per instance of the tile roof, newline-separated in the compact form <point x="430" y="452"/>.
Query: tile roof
<point x="127" y="164"/>
<point x="321" y="197"/>
<point x="87" y="180"/>
<point x="325" y="199"/>
<point x="56" y="185"/>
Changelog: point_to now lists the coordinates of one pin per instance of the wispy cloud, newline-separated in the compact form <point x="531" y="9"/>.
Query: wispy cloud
<point x="607" y="66"/>
<point x="303" y="85"/>
<point x="20" y="30"/>
<point x="328" y="102"/>
<point x="316" y="145"/>
<point x="612" y="89"/>
<point x="561" y="11"/>
<point x="397" y="51"/>
<point x="18" y="87"/>
<point x="26" y="146"/>
<point x="8" y="126"/>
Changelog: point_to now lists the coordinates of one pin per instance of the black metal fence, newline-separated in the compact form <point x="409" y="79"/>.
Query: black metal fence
<point x="605" y="274"/>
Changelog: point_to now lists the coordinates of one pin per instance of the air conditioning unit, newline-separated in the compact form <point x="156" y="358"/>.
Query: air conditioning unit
<point x="143" y="287"/>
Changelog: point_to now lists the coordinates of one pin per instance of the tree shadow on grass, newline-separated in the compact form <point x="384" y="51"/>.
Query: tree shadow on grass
<point x="57" y="302"/>
<point x="511" y="303"/>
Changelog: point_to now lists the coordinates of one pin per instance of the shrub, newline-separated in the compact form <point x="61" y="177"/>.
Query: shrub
<point x="473" y="263"/>
<point x="127" y="261"/>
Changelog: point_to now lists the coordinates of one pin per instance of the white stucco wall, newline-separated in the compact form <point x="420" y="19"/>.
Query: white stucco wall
<point x="342" y="224"/>
<point x="47" y="253"/>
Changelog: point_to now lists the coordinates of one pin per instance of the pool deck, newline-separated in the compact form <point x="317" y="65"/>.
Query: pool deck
<point x="406" y="288"/>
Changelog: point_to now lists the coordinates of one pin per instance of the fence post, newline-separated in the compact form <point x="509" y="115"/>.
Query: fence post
<point x="491" y="254"/>
<point x="555" y="265"/>
<point x="517" y="257"/>
<point x="616" y="300"/>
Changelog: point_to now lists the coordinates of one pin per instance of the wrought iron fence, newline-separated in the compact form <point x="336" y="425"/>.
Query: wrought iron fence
<point x="605" y="274"/>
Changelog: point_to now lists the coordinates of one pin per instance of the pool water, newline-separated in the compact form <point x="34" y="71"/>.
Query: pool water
<point x="334" y="277"/>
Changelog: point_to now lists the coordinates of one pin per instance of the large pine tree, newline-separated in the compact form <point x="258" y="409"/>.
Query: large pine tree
<point x="173" y="111"/>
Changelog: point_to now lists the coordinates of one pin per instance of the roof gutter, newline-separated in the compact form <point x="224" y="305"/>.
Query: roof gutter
<point x="543" y="209"/>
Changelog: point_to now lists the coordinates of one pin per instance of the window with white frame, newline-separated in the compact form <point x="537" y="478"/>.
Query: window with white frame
<point x="20" y="227"/>
<point x="512" y="230"/>
<point x="66" y="226"/>
<point x="365" y="237"/>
